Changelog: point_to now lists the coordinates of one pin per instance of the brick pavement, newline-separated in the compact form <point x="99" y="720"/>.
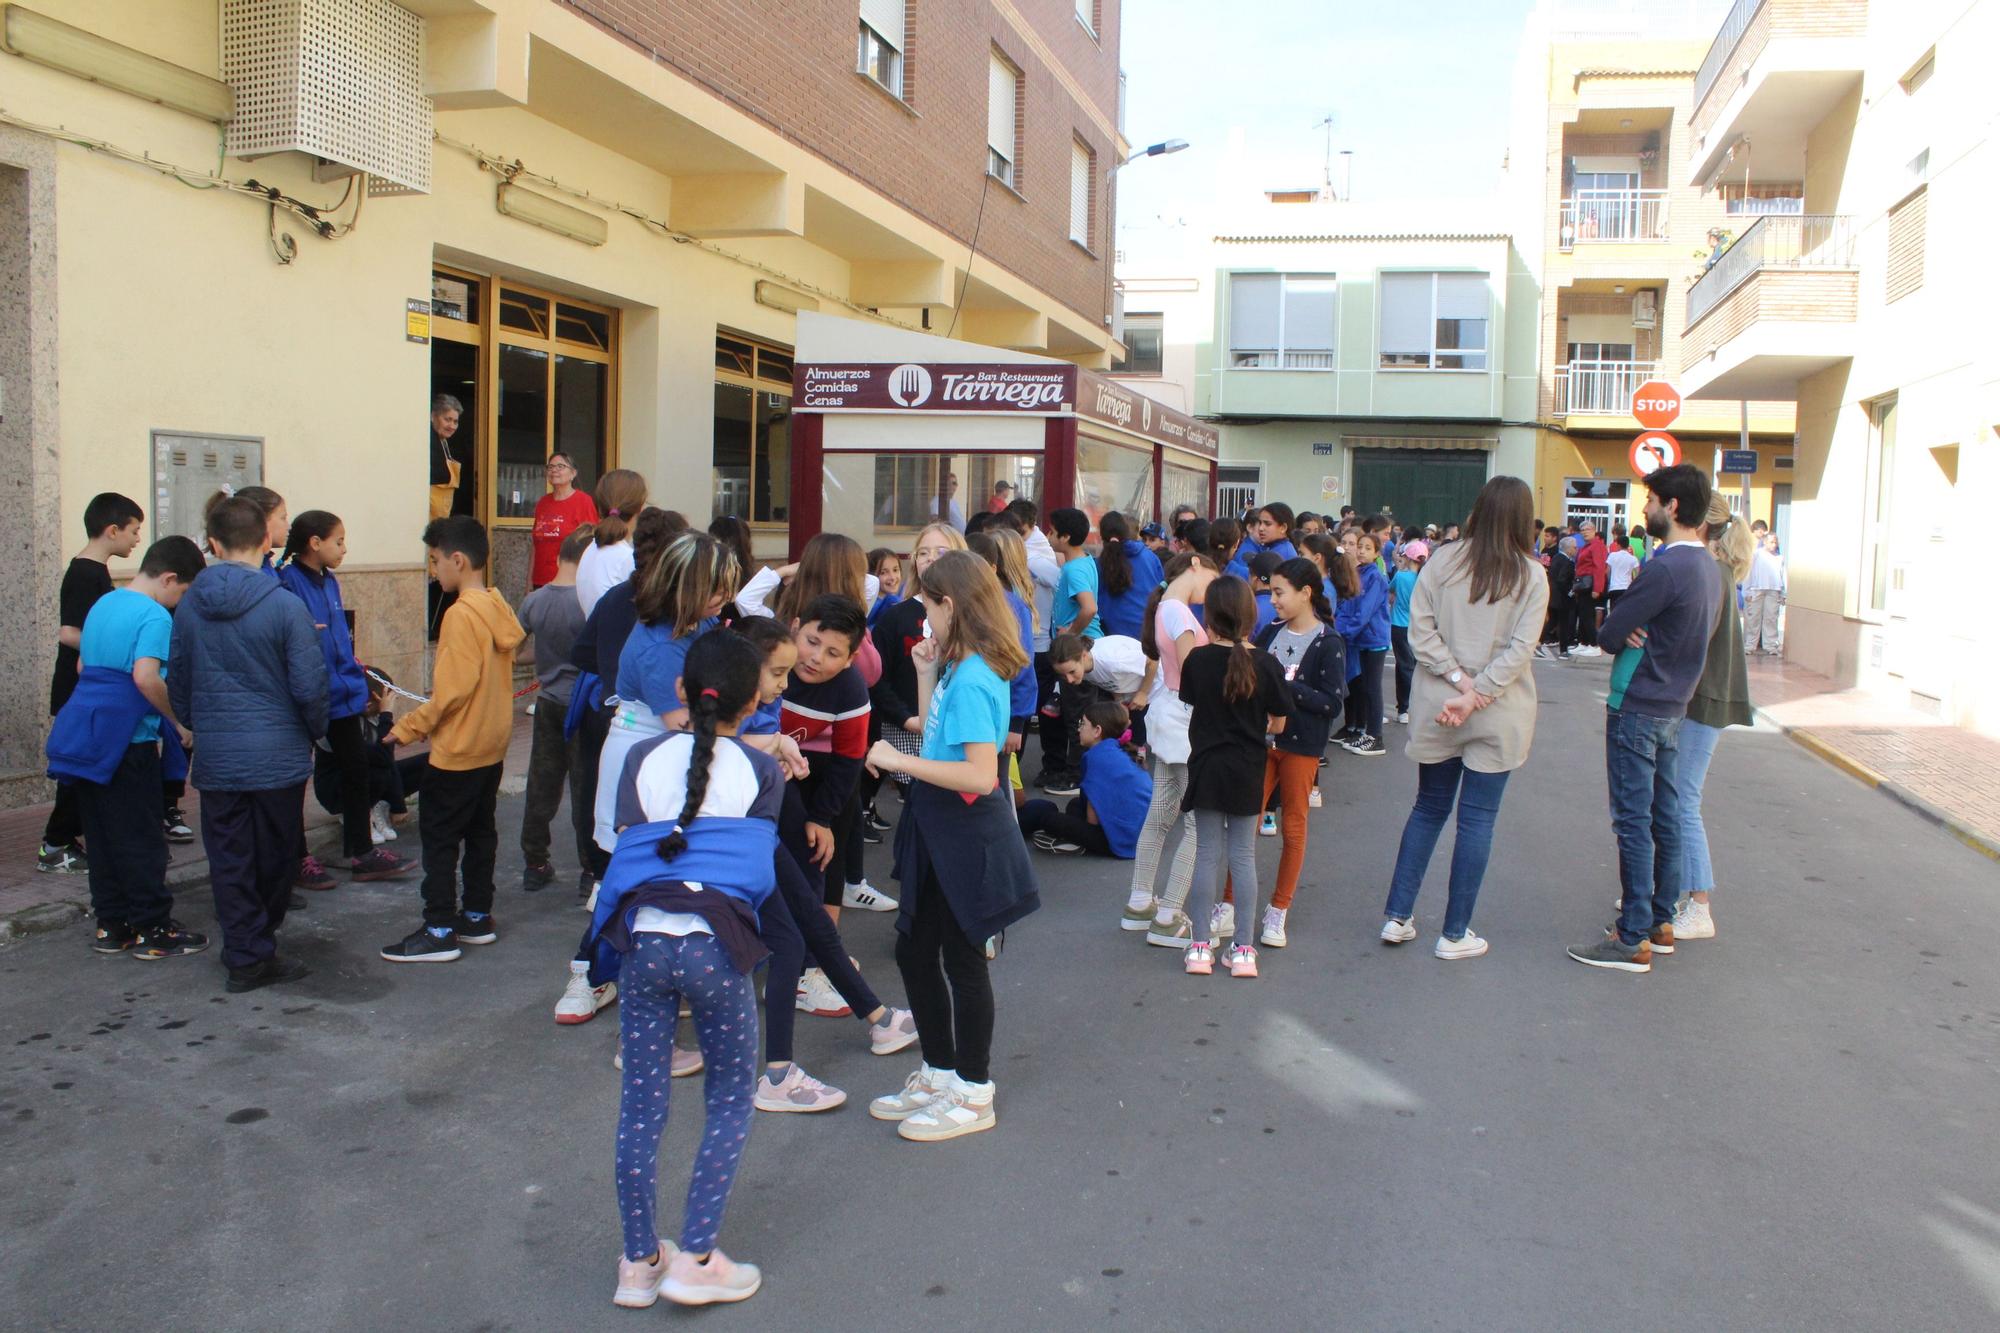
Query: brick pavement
<point x="32" y="900"/>
<point x="1948" y="774"/>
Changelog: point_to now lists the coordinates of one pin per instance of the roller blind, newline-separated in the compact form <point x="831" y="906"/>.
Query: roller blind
<point x="886" y="18"/>
<point x="1309" y="312"/>
<point x="1904" y="273"/>
<point x="1253" y="311"/>
<point x="1079" y="193"/>
<point x="1461" y="296"/>
<point x="1406" y="314"/>
<point x="1000" y="87"/>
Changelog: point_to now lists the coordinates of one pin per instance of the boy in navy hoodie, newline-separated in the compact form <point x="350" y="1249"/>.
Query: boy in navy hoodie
<point x="106" y="742"/>
<point x="249" y="679"/>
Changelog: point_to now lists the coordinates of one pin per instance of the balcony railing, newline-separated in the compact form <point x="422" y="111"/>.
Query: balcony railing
<point x="1602" y="388"/>
<point x="1614" y="215"/>
<point x="1814" y="240"/>
<point x="1733" y="28"/>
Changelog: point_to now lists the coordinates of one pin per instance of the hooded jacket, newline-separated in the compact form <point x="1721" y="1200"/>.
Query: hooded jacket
<point x="320" y="591"/>
<point x="1319" y="686"/>
<point x="470" y="715"/>
<point x="246" y="675"/>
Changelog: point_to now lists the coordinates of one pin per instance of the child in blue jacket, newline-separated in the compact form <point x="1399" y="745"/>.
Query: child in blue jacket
<point x="1363" y="621"/>
<point x="314" y="548"/>
<point x="1116" y="793"/>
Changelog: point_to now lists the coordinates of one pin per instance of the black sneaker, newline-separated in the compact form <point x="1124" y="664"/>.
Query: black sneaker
<point x="482" y="931"/>
<point x="1061" y="784"/>
<point x="177" y="826"/>
<point x="270" y="972"/>
<point x="870" y="834"/>
<point x="420" y="946"/>
<point x="585" y="881"/>
<point x="535" y="878"/>
<point x="873" y="819"/>
<point x="1369" y="747"/>
<point x="297" y="902"/>
<point x="68" y="860"/>
<point x="168" y="941"/>
<point x="113" y="937"/>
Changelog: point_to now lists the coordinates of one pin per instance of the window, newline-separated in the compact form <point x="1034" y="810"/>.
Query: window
<point x="912" y="489"/>
<point x="1082" y="175"/>
<point x="1904" y="272"/>
<point x="1920" y="73"/>
<point x="1281" y="321"/>
<point x="1181" y="485"/>
<point x="552" y="366"/>
<point x="753" y="430"/>
<point x="880" y="51"/>
<point x="1086" y="14"/>
<point x="1144" y="346"/>
<point x="1875" y="572"/>
<point x="1434" y="321"/>
<point x="1003" y="91"/>
<point x="1238" y="488"/>
<point x="1112" y="476"/>
<point x="1759" y="198"/>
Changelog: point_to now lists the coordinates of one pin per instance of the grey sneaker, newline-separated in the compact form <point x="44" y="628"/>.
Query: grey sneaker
<point x="892" y="1036"/>
<point x="1138" y="918"/>
<point x="1616" y="955"/>
<point x="917" y="1091"/>
<point x="1177" y="934"/>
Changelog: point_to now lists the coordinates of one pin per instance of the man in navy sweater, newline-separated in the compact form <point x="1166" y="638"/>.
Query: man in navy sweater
<point x="1660" y="631"/>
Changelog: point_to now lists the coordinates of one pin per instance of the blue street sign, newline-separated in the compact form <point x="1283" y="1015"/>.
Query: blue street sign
<point x="1743" y="461"/>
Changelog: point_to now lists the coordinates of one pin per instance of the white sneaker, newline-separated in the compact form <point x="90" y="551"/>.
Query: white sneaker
<point x="916" y="1094"/>
<point x="865" y="897"/>
<point x="580" y="1000"/>
<point x="1399" y="932"/>
<point x="706" y="1282"/>
<point x="1469" y="946"/>
<point x="380" y="829"/>
<point x="590" y="903"/>
<point x="1403" y="718"/>
<point x="1273" y="934"/>
<point x="960" y="1108"/>
<point x="1586" y="650"/>
<point x="1222" y="923"/>
<point x="1267" y="827"/>
<point x="1314" y="799"/>
<point x="897" y="1033"/>
<point x="1693" y="921"/>
<point x="818" y="997"/>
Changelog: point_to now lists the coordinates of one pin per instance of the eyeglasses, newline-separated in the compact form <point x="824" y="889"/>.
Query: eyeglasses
<point x="561" y="467"/>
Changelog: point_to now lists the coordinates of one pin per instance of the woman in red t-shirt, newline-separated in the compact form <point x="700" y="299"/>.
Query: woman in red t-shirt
<point x="559" y="513"/>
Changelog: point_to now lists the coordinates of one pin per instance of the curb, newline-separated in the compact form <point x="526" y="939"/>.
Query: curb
<point x="1895" y="791"/>
<point x="40" y="920"/>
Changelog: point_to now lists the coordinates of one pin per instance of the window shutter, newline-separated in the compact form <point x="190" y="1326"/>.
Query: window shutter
<point x="886" y="18"/>
<point x="1905" y="270"/>
<point x="1253" y="311"/>
<point x="1000" y="87"/>
<point x="1309" y="313"/>
<point x="1406" y="314"/>
<point x="1462" y="296"/>
<point x="1079" y="193"/>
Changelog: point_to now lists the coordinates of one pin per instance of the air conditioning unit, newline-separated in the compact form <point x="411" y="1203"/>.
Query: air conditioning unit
<point x="341" y="80"/>
<point x="1646" y="309"/>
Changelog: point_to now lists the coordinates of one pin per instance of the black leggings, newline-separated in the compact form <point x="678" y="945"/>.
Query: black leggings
<point x="796" y="927"/>
<point x="1066" y="824"/>
<point x="594" y="727"/>
<point x="350" y="757"/>
<point x="1364" y="694"/>
<point x="944" y="974"/>
<point x="1406" y="665"/>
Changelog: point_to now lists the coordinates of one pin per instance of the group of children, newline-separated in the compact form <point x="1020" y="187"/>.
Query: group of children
<point x="724" y="734"/>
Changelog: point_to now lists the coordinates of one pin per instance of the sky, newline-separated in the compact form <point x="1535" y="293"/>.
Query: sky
<point x="1420" y="92"/>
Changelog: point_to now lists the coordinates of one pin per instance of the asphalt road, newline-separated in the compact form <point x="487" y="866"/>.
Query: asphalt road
<point x="1791" y="1126"/>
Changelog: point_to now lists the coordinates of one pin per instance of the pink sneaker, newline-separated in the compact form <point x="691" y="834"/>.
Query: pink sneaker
<point x="639" y="1279"/>
<point x="796" y="1091"/>
<point x="708" y="1282"/>
<point x="686" y="1063"/>
<point x="1242" y="961"/>
<point x="1200" y="960"/>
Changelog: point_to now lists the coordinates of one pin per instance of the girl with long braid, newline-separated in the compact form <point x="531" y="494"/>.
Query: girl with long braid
<point x="678" y="917"/>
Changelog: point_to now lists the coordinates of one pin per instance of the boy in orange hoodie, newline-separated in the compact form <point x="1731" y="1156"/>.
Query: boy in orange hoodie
<point x="469" y="718"/>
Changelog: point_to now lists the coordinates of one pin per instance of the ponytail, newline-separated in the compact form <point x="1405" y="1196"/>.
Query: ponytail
<point x="701" y="718"/>
<point x="1114" y="570"/>
<point x="1232" y="615"/>
<point x="313" y="524"/>
<point x="1176" y="566"/>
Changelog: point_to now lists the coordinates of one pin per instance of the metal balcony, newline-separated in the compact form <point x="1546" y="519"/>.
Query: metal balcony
<point x="1807" y="241"/>
<point x="1592" y="216"/>
<point x="1600" y="388"/>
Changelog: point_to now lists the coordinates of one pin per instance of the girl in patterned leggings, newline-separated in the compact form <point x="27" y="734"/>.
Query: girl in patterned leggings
<point x="677" y="914"/>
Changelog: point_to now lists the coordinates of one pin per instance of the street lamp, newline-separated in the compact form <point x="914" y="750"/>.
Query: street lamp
<point x="1159" y="149"/>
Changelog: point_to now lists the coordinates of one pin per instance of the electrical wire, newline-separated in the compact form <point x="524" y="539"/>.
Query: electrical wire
<point x="971" y="254"/>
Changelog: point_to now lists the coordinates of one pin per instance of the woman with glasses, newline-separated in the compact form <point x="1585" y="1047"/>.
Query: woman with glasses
<point x="559" y="513"/>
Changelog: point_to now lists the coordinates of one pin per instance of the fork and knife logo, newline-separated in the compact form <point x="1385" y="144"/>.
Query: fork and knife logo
<point x="909" y="386"/>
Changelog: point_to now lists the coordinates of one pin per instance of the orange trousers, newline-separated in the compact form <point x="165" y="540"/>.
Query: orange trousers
<point x="1291" y="776"/>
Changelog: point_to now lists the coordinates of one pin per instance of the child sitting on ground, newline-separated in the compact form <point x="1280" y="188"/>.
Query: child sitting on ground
<point x="1105" y="820"/>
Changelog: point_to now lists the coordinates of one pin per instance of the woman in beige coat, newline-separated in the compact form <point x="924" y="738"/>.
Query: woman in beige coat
<point x="1475" y="618"/>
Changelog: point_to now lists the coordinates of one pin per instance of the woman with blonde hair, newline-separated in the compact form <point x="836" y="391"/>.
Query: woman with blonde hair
<point x="620" y="495"/>
<point x="1722" y="699"/>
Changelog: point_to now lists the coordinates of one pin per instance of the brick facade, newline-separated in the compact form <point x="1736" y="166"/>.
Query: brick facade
<point x="792" y="66"/>
<point x="1777" y="18"/>
<point x="1786" y="296"/>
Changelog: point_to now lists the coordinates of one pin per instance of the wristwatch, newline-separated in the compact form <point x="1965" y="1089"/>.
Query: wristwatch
<point x="1455" y="677"/>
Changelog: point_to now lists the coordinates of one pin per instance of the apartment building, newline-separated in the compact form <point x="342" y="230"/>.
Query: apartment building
<point x="1616" y="235"/>
<point x="1868" y="306"/>
<point x="594" y="222"/>
<point x="1370" y="355"/>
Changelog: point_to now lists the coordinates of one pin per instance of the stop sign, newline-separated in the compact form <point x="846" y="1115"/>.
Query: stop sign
<point x="1656" y="404"/>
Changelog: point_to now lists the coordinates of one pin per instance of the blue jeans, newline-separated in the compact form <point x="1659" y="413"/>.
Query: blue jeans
<point x="1698" y="741"/>
<point x="1478" y="799"/>
<point x="1641" y="767"/>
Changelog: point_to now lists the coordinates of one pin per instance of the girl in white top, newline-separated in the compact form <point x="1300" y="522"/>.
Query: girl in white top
<point x="620" y="495"/>
<point x="1171" y="633"/>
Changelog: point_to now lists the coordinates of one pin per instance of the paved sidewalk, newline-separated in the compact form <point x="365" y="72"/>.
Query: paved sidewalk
<point x="1945" y="773"/>
<point x="32" y="900"/>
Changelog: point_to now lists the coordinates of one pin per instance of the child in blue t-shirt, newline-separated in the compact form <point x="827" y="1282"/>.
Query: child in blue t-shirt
<point x="1410" y="557"/>
<point x="1105" y="819"/>
<point x="122" y="689"/>
<point x="1075" y="609"/>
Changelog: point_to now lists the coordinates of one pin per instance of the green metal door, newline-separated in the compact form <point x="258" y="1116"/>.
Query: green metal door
<point x="1418" y="485"/>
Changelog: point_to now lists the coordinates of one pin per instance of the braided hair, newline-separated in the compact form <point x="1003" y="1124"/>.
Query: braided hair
<point x="720" y="681"/>
<point x="313" y="524"/>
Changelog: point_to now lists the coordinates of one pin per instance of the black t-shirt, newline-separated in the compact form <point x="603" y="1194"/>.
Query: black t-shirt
<point x="83" y="583"/>
<point x="1226" y="737"/>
